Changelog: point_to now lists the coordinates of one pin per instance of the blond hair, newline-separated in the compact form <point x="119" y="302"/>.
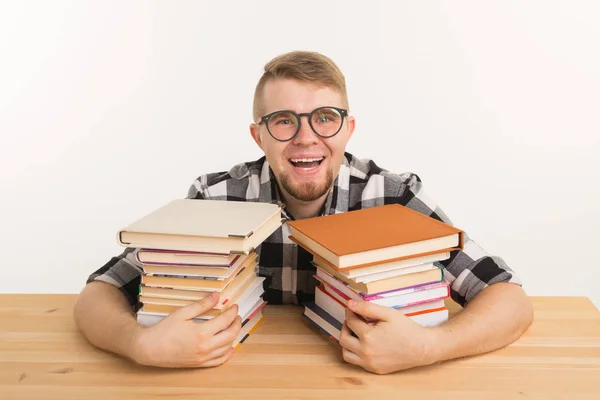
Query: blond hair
<point x="304" y="66"/>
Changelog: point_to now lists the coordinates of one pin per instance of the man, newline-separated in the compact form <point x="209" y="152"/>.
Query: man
<point x="302" y="125"/>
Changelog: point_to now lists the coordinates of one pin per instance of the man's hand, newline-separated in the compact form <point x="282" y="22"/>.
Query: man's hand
<point x="178" y="341"/>
<point x="496" y="317"/>
<point x="394" y="343"/>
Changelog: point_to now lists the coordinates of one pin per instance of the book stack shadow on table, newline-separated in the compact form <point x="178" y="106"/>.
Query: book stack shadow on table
<point x="388" y="255"/>
<point x="190" y="248"/>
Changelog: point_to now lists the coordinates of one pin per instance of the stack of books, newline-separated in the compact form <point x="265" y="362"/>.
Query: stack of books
<point x="388" y="255"/>
<point x="191" y="248"/>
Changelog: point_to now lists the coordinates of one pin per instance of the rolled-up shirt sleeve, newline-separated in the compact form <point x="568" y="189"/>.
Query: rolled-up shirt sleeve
<point x="122" y="271"/>
<point x="467" y="271"/>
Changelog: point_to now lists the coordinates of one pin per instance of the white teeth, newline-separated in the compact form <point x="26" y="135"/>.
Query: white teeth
<point x="305" y="159"/>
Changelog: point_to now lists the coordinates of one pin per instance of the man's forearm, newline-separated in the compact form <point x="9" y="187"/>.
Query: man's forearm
<point x="493" y="319"/>
<point x="106" y="319"/>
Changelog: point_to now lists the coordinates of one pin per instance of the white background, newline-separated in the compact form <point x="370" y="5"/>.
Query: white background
<point x="109" y="109"/>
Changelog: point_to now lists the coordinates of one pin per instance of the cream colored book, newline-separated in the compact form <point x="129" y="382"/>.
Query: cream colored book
<point x="217" y="226"/>
<point x="185" y="258"/>
<point x="390" y="266"/>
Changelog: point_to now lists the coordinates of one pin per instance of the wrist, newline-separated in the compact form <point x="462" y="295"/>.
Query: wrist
<point x="132" y="343"/>
<point x="438" y="338"/>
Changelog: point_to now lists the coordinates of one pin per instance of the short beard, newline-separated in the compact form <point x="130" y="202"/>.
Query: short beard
<point x="308" y="191"/>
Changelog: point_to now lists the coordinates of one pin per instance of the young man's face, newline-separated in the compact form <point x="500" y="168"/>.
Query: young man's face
<point x="305" y="181"/>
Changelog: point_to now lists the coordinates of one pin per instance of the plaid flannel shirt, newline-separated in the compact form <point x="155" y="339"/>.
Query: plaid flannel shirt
<point x="286" y="266"/>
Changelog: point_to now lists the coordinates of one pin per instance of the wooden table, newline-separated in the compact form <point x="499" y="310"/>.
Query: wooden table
<point x="42" y="356"/>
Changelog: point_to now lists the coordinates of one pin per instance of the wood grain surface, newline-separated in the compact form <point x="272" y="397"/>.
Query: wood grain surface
<point x="43" y="356"/>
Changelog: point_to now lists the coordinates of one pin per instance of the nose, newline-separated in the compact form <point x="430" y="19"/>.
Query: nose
<point x="305" y="135"/>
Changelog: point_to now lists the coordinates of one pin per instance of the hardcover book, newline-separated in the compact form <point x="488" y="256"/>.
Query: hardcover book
<point x="373" y="235"/>
<point x="215" y="226"/>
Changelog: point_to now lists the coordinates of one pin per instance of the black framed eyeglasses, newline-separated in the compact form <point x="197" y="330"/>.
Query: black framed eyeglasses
<point x="284" y="125"/>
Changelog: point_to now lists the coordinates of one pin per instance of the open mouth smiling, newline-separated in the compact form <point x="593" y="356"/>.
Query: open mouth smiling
<point x="306" y="164"/>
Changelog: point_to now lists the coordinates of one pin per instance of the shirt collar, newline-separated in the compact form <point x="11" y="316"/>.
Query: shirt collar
<point x="336" y="201"/>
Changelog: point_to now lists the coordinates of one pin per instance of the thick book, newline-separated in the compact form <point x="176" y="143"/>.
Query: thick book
<point x="374" y="235"/>
<point x="216" y="226"/>
<point x="431" y="275"/>
<point x="206" y="272"/>
<point x="185" y="258"/>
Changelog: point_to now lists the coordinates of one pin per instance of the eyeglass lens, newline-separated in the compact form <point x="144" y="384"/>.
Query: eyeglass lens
<point x="325" y="121"/>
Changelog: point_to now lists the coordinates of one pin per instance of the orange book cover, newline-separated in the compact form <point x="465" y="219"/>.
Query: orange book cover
<point x="374" y="234"/>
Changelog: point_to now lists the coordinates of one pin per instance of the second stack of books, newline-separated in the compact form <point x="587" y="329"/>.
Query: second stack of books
<point x="191" y="248"/>
<point x="388" y="255"/>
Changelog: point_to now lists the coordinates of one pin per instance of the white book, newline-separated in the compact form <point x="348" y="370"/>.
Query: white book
<point x="431" y="319"/>
<point x="395" y="272"/>
<point x="216" y="226"/>
<point x="247" y="328"/>
<point x="393" y="265"/>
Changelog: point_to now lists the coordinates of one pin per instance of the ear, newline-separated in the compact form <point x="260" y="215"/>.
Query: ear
<point x="351" y="125"/>
<point x="255" y="132"/>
